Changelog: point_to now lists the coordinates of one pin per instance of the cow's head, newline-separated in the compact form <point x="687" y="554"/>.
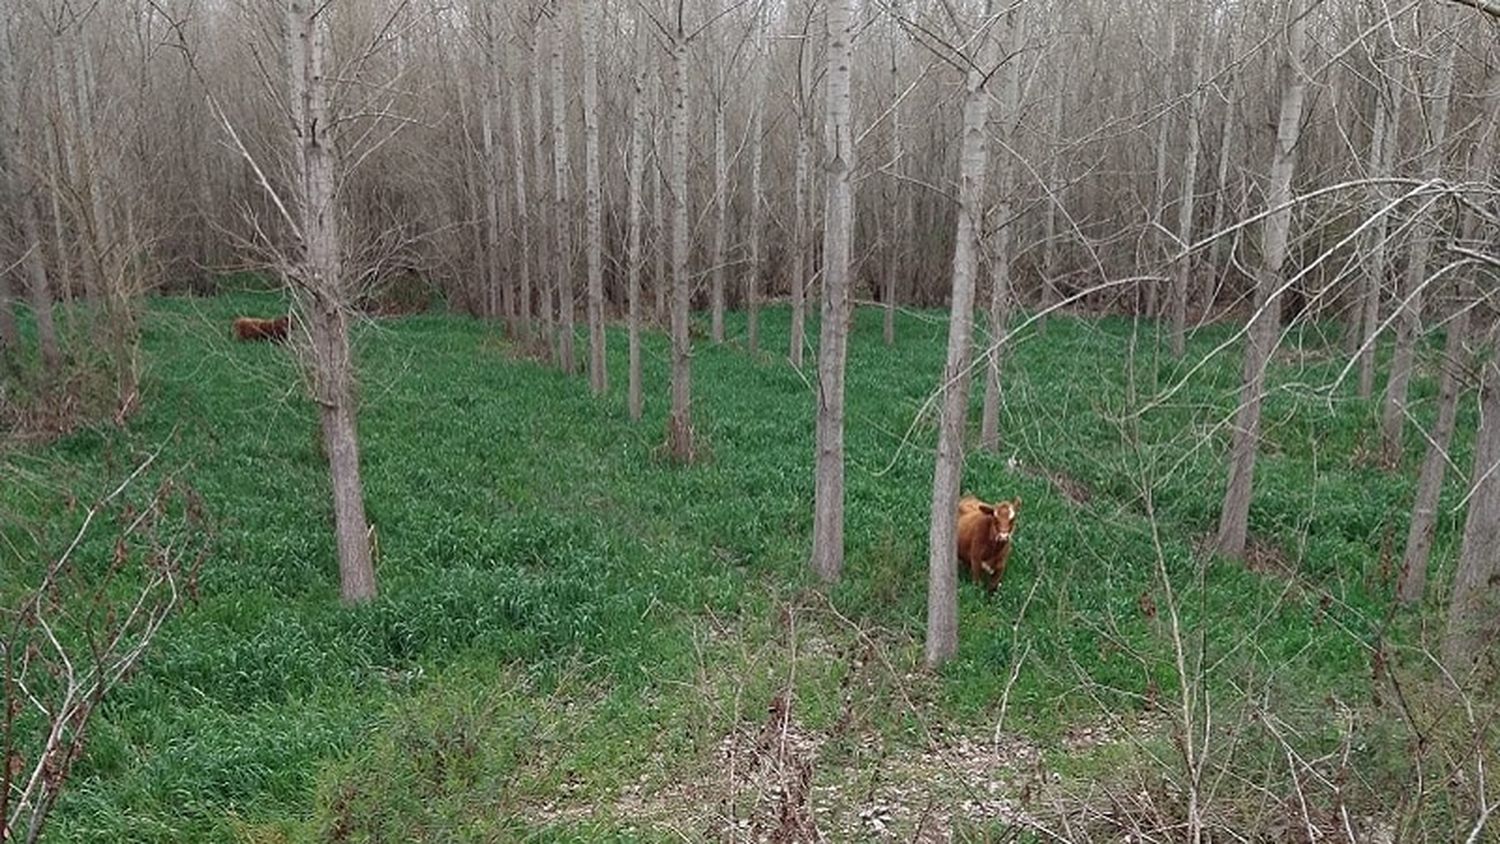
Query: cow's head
<point x="1003" y="518"/>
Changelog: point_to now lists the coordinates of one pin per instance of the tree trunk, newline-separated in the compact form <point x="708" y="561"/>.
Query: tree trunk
<point x="323" y="299"/>
<point x="680" y="427"/>
<point x="523" y="215"/>
<point x="1393" y="412"/>
<point x="1265" y="322"/>
<point x="40" y="290"/>
<point x="1413" y="580"/>
<point x="636" y="165"/>
<point x="757" y="204"/>
<point x="800" y="238"/>
<point x="1049" y="222"/>
<point x="499" y="300"/>
<point x="1413" y="577"/>
<point x="598" y="369"/>
<point x="1208" y="293"/>
<point x="721" y="225"/>
<point x="546" y="211"/>
<point x="838" y="227"/>
<point x="1474" y="608"/>
<point x="17" y="193"/>
<point x="1182" y="277"/>
<point x="942" y="569"/>
<point x="10" y="334"/>
<point x="1157" y="226"/>
<point x="561" y="218"/>
<point x="1000" y="246"/>
<point x="660" y="282"/>
<point x="1384" y="142"/>
<point x="892" y="199"/>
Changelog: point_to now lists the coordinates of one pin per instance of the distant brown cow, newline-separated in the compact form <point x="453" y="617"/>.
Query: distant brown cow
<point x="984" y="532"/>
<point x="251" y="328"/>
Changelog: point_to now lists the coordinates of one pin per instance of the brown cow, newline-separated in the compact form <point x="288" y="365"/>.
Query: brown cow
<point x="984" y="532"/>
<point x="251" y="328"/>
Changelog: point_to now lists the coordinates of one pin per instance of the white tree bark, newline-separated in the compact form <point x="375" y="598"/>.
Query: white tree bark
<point x="561" y="216"/>
<point x="323" y="296"/>
<point x="721" y="225"/>
<point x="1412" y="582"/>
<point x="1000" y="241"/>
<point x="833" y="339"/>
<point x="636" y="167"/>
<point x="17" y="192"/>
<point x="800" y="241"/>
<point x="892" y="191"/>
<point x="545" y="209"/>
<point x="942" y="568"/>
<point x="1054" y="198"/>
<point x="1385" y="138"/>
<point x="680" y="426"/>
<point x="524" y="307"/>
<point x="1182" y="276"/>
<point x="598" y="369"/>
<point x="498" y="298"/>
<point x="1393" y="411"/>
<point x="1208" y="291"/>
<point x="659" y="280"/>
<point x="1265" y="322"/>
<point x="1474" y="607"/>
<point x="757" y="200"/>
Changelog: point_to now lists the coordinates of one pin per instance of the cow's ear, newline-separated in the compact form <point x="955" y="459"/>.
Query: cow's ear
<point x="987" y="509"/>
<point x="1015" y="504"/>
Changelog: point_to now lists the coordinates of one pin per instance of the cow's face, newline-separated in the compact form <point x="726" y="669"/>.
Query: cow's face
<point x="1003" y="518"/>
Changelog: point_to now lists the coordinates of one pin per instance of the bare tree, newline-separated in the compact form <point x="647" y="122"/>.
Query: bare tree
<point x="680" y="426"/>
<point x="721" y="214"/>
<point x="1265" y="322"/>
<point x="497" y="297"/>
<point x="833" y="337"/>
<point x="523" y="214"/>
<point x="1004" y="224"/>
<point x="1182" y="273"/>
<point x="323" y="293"/>
<point x="800" y="260"/>
<point x="757" y="197"/>
<point x="598" y="371"/>
<point x="73" y="637"/>
<point x="1412" y="582"/>
<point x="1473" y="610"/>
<point x="1393" y="411"/>
<point x="636" y="165"/>
<point x="18" y="197"/>
<point x="942" y="570"/>
<point x="562" y="217"/>
<point x="548" y="266"/>
<point x="1208" y="291"/>
<point x="1384" y="141"/>
<point x="801" y="237"/>
<point x="891" y="196"/>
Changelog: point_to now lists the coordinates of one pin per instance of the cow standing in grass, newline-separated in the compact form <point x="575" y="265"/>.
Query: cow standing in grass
<point x="984" y="532"/>
<point x="251" y="328"/>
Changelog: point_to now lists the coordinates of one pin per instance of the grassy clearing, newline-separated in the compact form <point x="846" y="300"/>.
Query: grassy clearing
<point x="576" y="640"/>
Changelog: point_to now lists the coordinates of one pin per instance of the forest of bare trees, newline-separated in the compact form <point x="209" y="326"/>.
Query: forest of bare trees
<point x="1318" y="167"/>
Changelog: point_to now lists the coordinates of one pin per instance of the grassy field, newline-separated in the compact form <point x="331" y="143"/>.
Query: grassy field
<point x="578" y="641"/>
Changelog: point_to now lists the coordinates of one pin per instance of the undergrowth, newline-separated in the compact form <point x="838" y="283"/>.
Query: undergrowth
<point x="568" y="620"/>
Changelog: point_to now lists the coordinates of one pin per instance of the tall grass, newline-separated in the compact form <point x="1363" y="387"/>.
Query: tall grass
<point x="564" y="617"/>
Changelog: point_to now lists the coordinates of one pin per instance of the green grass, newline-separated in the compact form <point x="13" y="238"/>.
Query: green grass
<point x="564" y="615"/>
